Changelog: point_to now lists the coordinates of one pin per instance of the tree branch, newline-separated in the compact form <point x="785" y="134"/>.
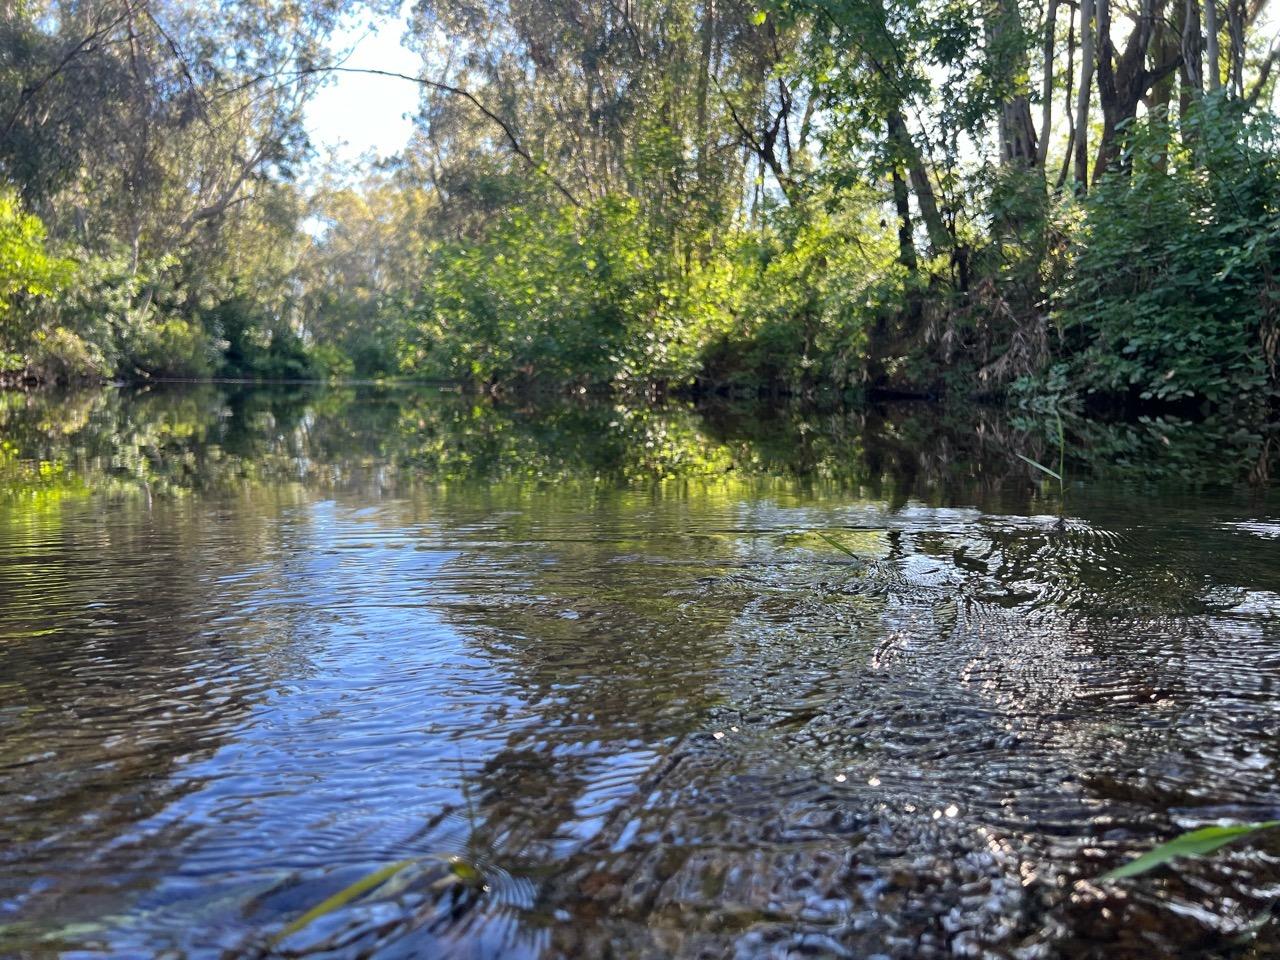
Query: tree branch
<point x="1264" y="74"/>
<point x="512" y="140"/>
<point x="85" y="44"/>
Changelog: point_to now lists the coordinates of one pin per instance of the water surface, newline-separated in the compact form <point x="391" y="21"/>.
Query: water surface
<point x="666" y="683"/>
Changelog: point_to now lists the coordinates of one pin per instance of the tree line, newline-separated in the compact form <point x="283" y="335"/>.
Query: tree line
<point x="1069" y="198"/>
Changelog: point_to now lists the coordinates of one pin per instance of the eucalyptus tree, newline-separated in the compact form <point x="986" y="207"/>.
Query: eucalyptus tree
<point x="369" y="242"/>
<point x="148" y="119"/>
<point x="673" y="102"/>
<point x="146" y="134"/>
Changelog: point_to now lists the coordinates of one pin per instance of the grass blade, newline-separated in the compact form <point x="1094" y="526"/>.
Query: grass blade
<point x="1040" y="466"/>
<point x="839" y="546"/>
<point x="342" y="898"/>
<point x="1194" y="844"/>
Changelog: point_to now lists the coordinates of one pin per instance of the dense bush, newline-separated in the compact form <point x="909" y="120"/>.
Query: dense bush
<point x="110" y="321"/>
<point x="1172" y="294"/>
<point x="99" y="315"/>
<point x="256" y="346"/>
<point x="807" y="291"/>
<point x="566" y="295"/>
<point x="602" y="296"/>
<point x="27" y="271"/>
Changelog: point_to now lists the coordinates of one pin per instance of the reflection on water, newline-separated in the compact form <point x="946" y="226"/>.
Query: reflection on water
<point x="737" y="683"/>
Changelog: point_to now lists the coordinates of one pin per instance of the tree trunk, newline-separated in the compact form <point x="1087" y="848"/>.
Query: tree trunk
<point x="1046" y="85"/>
<point x="1213" y="61"/>
<point x="1083" y="97"/>
<point x="704" y="81"/>
<point x="1123" y="81"/>
<point x="1068" y="104"/>
<point x="1192" y="72"/>
<point x="1109" y="95"/>
<point x="907" y="156"/>
<point x="1165" y="46"/>
<point x="1235" y="33"/>
<point x="906" y="237"/>
<point x="1017" y="131"/>
<point x="939" y="236"/>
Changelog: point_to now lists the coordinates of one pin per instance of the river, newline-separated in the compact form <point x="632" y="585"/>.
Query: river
<point x="595" y="679"/>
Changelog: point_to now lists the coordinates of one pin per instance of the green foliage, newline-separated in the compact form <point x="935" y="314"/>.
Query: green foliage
<point x="114" y="310"/>
<point x="160" y="159"/>
<point x="1041" y="467"/>
<point x="111" y="319"/>
<point x="27" y="268"/>
<point x="27" y="271"/>
<point x="256" y="346"/>
<point x="172" y="347"/>
<point x="816" y="195"/>
<point x="596" y="297"/>
<point x="343" y="897"/>
<point x="807" y="292"/>
<point x="329" y="362"/>
<point x="564" y="295"/>
<point x="839" y="546"/>
<point x="1172" y="294"/>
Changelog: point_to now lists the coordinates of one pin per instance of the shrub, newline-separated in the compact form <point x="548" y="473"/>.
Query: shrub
<point x="172" y="347"/>
<point x="27" y="271"/>
<point x="565" y="295"/>
<point x="1172" y="295"/>
<point x="808" y="288"/>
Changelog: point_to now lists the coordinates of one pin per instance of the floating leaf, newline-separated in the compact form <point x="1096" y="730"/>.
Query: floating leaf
<point x="1194" y="844"/>
<point x="1040" y="466"/>
<point x="466" y="873"/>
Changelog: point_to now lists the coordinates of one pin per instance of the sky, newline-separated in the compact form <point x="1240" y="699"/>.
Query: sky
<point x="353" y="114"/>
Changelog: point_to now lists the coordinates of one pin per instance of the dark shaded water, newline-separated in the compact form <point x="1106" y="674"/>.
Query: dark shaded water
<point x="748" y="684"/>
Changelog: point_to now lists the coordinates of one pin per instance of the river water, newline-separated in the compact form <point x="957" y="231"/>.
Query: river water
<point x="598" y="680"/>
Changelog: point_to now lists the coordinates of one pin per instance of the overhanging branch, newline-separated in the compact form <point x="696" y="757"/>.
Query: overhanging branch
<point x="512" y="140"/>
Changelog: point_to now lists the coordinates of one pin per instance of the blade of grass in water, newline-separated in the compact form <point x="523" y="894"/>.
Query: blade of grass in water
<point x="1194" y="844"/>
<point x="839" y="546"/>
<point x="1040" y="466"/>
<point x="342" y="898"/>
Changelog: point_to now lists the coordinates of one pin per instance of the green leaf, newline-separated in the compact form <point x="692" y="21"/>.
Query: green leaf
<point x="1194" y="844"/>
<point x="1040" y="466"/>
<point x="342" y="898"/>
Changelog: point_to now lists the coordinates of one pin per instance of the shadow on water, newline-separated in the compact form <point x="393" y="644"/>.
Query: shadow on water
<point x="599" y="680"/>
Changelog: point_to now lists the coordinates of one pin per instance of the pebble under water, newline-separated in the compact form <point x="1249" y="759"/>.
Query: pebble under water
<point x="619" y="682"/>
